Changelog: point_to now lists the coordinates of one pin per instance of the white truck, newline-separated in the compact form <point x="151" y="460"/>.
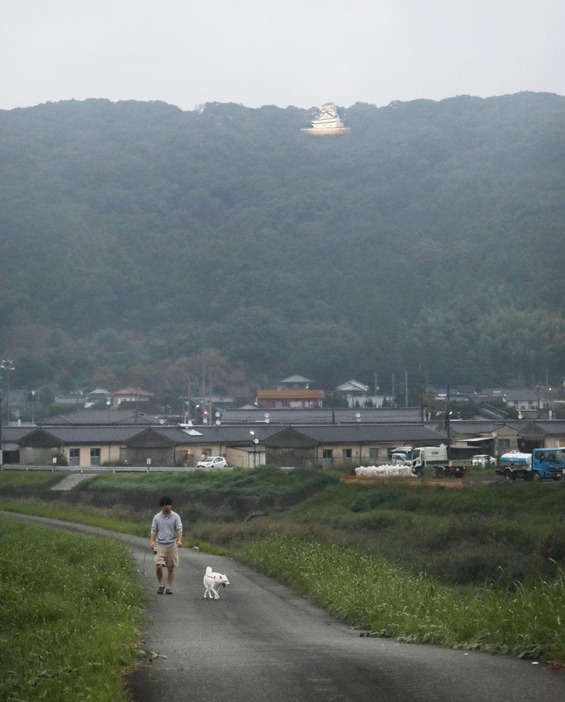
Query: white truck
<point x="401" y="456"/>
<point x="429" y="460"/>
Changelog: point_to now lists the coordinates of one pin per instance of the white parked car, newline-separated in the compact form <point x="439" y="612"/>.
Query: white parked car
<point x="484" y="460"/>
<point x="212" y="462"/>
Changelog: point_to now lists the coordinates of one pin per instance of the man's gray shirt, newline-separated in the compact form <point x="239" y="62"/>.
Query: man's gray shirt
<point x="166" y="527"/>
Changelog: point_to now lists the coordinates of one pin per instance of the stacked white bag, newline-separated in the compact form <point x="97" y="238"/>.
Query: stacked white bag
<point x="385" y="471"/>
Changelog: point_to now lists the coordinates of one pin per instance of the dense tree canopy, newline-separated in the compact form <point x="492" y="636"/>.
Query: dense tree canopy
<point x="135" y="235"/>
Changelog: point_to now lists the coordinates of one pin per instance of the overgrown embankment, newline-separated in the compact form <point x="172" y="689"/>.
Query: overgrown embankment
<point x="371" y="594"/>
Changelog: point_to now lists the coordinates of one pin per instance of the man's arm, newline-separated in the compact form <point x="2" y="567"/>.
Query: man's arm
<point x="179" y="532"/>
<point x="153" y="534"/>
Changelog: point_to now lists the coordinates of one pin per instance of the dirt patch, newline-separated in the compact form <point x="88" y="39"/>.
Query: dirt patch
<point x="452" y="483"/>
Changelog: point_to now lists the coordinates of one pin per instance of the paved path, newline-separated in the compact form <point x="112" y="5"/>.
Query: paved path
<point x="261" y="643"/>
<point x="69" y="481"/>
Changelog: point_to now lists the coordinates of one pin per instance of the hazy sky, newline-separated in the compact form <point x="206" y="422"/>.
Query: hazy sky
<point x="267" y="52"/>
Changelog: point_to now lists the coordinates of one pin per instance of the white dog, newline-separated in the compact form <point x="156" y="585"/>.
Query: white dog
<point x="212" y="581"/>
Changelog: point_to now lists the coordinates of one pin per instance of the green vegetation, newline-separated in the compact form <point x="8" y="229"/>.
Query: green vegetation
<point x="460" y="564"/>
<point x="70" y="613"/>
<point x="481" y="533"/>
<point x="24" y="480"/>
<point x="264" y="482"/>
<point x="388" y="250"/>
<point x="371" y="594"/>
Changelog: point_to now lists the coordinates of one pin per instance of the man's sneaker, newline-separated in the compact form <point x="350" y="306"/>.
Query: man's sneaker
<point x="160" y="590"/>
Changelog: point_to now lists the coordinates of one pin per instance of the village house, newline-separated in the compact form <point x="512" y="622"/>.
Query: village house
<point x="358" y="394"/>
<point x="130" y="395"/>
<point x="293" y="392"/>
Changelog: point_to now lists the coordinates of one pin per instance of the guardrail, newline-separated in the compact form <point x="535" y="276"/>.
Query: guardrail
<point x="102" y="469"/>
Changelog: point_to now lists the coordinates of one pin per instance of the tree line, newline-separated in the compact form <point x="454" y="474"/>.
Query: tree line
<point x="138" y="239"/>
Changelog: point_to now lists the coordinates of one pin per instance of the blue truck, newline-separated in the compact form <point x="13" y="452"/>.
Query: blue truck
<point x="541" y="464"/>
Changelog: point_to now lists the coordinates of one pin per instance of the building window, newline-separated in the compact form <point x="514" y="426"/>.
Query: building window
<point x="347" y="454"/>
<point x="94" y="456"/>
<point x="74" y="457"/>
<point x="327" y="453"/>
<point x="503" y="445"/>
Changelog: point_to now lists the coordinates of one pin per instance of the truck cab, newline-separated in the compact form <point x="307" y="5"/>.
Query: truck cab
<point x="434" y="460"/>
<point x="549" y="462"/>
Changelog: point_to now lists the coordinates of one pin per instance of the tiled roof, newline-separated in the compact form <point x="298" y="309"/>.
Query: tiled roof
<point x="349" y="433"/>
<point x="55" y="436"/>
<point x="298" y="394"/>
<point x="267" y="433"/>
<point x="396" y="433"/>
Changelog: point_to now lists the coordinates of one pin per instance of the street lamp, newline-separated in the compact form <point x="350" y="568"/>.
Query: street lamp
<point x="33" y="394"/>
<point x="255" y="441"/>
<point x="5" y="365"/>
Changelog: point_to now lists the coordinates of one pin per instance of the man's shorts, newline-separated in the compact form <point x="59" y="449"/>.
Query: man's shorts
<point x="167" y="556"/>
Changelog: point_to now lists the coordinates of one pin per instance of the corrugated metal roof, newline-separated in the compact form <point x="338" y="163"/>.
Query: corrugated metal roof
<point x="341" y="415"/>
<point x="103" y="417"/>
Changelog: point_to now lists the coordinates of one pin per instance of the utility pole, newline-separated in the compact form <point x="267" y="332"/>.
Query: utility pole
<point x="1" y="437"/>
<point x="187" y="403"/>
<point x="448" y="421"/>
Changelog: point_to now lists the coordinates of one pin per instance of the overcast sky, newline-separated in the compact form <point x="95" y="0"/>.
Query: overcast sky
<point x="272" y="52"/>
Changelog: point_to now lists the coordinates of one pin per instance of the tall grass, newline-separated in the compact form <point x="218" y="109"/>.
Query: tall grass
<point x="70" y="611"/>
<point x="369" y="593"/>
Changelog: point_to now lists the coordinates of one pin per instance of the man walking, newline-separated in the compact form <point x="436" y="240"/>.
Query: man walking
<point x="165" y="539"/>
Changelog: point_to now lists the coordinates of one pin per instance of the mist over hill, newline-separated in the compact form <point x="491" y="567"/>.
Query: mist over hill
<point x="139" y="241"/>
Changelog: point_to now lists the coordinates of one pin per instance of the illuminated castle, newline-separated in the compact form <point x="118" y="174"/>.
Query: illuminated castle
<point x="327" y="123"/>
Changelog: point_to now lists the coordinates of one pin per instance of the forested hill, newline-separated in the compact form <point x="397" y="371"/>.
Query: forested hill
<point x="431" y="238"/>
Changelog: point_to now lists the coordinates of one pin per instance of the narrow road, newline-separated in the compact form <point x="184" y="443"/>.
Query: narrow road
<point x="261" y="643"/>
